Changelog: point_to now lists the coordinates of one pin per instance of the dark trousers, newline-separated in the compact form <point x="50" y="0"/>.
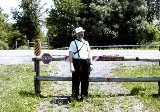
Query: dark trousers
<point x="81" y="74"/>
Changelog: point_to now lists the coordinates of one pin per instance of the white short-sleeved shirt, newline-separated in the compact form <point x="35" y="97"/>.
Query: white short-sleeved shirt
<point x="84" y="52"/>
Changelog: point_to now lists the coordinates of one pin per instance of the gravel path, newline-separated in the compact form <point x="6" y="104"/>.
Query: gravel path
<point x="123" y="101"/>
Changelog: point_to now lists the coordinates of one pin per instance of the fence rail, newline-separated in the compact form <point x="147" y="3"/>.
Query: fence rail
<point x="101" y="79"/>
<point x="117" y="46"/>
<point x="39" y="78"/>
<point x="29" y="44"/>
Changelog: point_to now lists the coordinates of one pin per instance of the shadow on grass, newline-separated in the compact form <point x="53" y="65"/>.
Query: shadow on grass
<point x="27" y="93"/>
<point x="110" y="95"/>
<point x="32" y="94"/>
<point x="61" y="100"/>
<point x="155" y="96"/>
<point x="138" y="90"/>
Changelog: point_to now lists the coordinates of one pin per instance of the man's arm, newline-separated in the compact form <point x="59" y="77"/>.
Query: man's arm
<point x="89" y="55"/>
<point x="71" y="61"/>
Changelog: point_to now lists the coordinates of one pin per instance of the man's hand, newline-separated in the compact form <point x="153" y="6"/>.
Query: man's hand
<point x="72" y="69"/>
<point x="91" y="67"/>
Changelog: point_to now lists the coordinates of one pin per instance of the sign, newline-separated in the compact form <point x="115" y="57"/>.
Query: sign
<point x="108" y="58"/>
<point x="46" y="58"/>
<point x="37" y="47"/>
<point x="119" y="58"/>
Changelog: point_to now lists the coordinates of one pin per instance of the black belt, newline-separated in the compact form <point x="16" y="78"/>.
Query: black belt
<point x="79" y="59"/>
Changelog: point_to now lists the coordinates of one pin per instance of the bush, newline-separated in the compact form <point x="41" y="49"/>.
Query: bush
<point x="16" y="36"/>
<point x="3" y="45"/>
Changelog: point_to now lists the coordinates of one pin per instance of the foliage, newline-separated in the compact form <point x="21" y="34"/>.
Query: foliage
<point x="3" y="30"/>
<point x="8" y="34"/>
<point x="106" y="22"/>
<point x="14" y="36"/>
<point x="153" y="7"/>
<point x="3" y="45"/>
<point x="123" y="22"/>
<point x="29" y="18"/>
<point x="151" y="32"/>
<point x="62" y="20"/>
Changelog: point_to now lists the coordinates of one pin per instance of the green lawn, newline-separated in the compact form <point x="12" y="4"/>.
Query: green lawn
<point x="146" y="91"/>
<point x="17" y="88"/>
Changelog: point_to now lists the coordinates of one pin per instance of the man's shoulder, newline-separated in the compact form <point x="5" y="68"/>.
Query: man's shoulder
<point x="86" y="42"/>
<point x="72" y="41"/>
<point x="79" y="41"/>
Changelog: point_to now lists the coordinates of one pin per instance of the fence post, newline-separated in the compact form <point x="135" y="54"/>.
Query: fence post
<point x="28" y="44"/>
<point x="35" y="64"/>
<point x="159" y="50"/>
<point x="16" y="44"/>
<point x="37" y="83"/>
<point x="159" y="88"/>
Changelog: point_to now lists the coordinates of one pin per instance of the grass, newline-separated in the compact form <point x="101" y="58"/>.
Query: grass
<point x="146" y="91"/>
<point x="17" y="91"/>
<point x="17" y="88"/>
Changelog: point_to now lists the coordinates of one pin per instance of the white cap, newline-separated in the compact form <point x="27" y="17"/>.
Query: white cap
<point x="79" y="29"/>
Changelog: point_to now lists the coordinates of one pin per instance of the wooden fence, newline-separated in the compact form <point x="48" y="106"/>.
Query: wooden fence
<point x="38" y="77"/>
<point x="118" y="46"/>
<point x="31" y="44"/>
<point x="127" y="46"/>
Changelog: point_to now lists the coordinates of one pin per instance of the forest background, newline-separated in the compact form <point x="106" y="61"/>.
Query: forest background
<point x="106" y="22"/>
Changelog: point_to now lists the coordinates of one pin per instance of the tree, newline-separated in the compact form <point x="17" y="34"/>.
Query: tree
<point x="28" y="18"/>
<point x="105" y="21"/>
<point x="15" y="35"/>
<point x="62" y="20"/>
<point x="3" y="30"/>
<point x="153" y="10"/>
<point x="119" y="22"/>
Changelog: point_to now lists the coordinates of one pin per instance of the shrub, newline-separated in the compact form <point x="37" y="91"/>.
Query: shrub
<point x="3" y="45"/>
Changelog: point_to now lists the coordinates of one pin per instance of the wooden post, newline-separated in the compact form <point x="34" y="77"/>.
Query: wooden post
<point x="37" y="83"/>
<point x="28" y="44"/>
<point x="159" y="88"/>
<point x="35" y="64"/>
<point x="159" y="50"/>
<point x="16" y="45"/>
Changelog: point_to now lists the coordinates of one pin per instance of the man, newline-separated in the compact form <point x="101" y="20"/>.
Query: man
<point x="80" y="61"/>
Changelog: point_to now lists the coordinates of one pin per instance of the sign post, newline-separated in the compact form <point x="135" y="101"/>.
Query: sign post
<point x="37" y="47"/>
<point x="46" y="58"/>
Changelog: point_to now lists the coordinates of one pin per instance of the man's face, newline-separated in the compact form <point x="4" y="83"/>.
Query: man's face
<point x="80" y="34"/>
